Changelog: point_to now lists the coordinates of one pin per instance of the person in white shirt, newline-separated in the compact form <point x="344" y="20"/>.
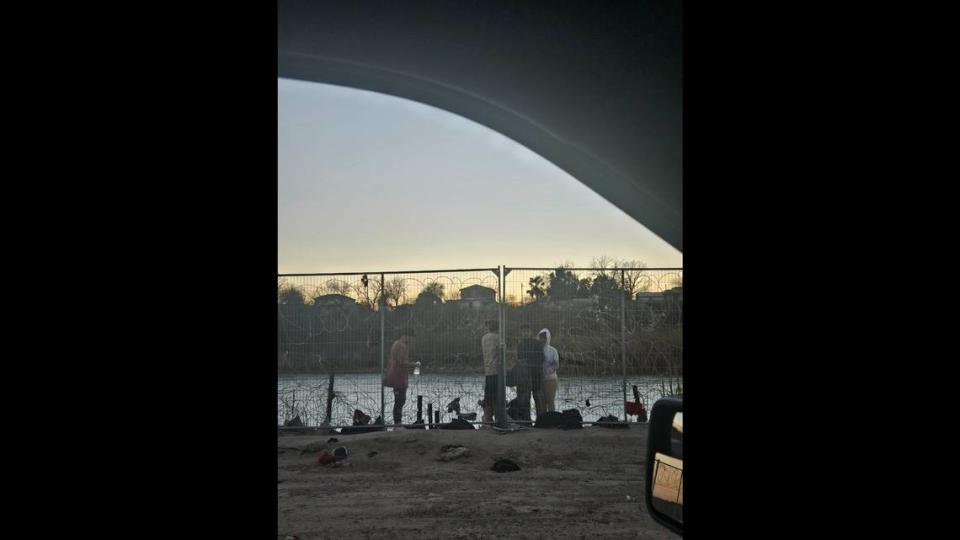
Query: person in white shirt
<point x="551" y="364"/>
<point x="490" y="346"/>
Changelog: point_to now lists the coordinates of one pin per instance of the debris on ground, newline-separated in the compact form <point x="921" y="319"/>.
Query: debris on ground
<point x="355" y="430"/>
<point x="504" y="465"/>
<point x="450" y="452"/>
<point x="312" y="448"/>
<point x="611" y="422"/>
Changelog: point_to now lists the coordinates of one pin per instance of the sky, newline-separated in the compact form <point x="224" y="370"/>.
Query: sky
<point x="370" y="182"/>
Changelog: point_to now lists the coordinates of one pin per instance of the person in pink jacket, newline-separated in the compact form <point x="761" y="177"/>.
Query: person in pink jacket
<point x="397" y="375"/>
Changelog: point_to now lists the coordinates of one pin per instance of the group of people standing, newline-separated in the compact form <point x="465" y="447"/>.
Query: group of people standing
<point x="534" y="375"/>
<point x="535" y="372"/>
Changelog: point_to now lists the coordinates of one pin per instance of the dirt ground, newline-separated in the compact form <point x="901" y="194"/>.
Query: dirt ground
<point x="572" y="484"/>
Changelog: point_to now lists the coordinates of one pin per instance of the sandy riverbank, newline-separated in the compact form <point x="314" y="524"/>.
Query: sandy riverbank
<point x="572" y="484"/>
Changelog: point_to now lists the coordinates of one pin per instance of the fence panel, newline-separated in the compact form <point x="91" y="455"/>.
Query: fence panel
<point x="613" y="328"/>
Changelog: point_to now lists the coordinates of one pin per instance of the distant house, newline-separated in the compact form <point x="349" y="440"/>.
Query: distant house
<point x="650" y="309"/>
<point x="662" y="307"/>
<point x="478" y="293"/>
<point x="334" y="300"/>
<point x="474" y="297"/>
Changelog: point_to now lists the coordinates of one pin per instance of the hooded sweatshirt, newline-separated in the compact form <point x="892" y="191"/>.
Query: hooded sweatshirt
<point x="551" y="358"/>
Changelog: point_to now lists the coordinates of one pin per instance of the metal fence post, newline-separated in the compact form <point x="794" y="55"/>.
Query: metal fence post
<point x="623" y="339"/>
<point x="383" y="350"/>
<point x="502" y="369"/>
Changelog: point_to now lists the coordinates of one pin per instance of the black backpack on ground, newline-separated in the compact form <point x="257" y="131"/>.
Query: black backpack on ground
<point x="572" y="419"/>
<point x="551" y="419"/>
<point x="457" y="423"/>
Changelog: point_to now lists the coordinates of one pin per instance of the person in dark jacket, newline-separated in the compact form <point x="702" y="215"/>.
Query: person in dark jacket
<point x="529" y="375"/>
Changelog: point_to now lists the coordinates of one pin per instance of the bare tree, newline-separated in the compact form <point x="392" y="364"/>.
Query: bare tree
<point x="633" y="278"/>
<point x="627" y="273"/>
<point x="604" y="265"/>
<point x="367" y="291"/>
<point x="395" y="289"/>
<point x="336" y="286"/>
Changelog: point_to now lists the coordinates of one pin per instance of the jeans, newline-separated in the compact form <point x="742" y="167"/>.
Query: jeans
<point x="524" y="393"/>
<point x="399" y="398"/>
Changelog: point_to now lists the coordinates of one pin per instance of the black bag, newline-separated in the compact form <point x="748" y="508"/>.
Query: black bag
<point x="360" y="418"/>
<point x="457" y="423"/>
<point x="572" y="419"/>
<point x="550" y="419"/>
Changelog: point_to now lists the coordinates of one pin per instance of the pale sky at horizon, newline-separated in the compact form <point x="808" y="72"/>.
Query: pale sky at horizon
<point x="370" y="182"/>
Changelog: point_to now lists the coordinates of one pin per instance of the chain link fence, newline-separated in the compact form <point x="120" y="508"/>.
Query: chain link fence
<point x="618" y="332"/>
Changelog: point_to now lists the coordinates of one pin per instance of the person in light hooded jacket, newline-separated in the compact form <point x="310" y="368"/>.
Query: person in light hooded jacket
<point x="551" y="364"/>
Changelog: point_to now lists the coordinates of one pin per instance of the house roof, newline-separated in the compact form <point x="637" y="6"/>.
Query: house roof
<point x="476" y="287"/>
